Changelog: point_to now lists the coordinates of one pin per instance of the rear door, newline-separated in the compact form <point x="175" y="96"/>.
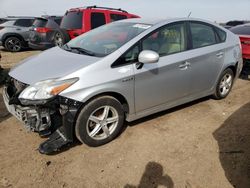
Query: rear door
<point x="206" y="57"/>
<point x="23" y="27"/>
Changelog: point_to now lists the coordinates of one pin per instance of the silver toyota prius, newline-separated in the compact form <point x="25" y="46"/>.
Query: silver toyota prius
<point x="125" y="70"/>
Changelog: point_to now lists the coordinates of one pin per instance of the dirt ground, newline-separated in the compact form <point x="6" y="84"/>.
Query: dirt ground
<point x="203" y="144"/>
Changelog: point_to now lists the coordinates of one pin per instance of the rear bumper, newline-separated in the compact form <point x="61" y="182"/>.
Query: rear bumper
<point x="40" y="46"/>
<point x="246" y="56"/>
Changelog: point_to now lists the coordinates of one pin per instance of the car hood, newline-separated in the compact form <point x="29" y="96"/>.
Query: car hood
<point x="52" y="63"/>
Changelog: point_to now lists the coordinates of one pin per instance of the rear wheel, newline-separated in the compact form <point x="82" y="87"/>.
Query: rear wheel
<point x="13" y="44"/>
<point x="224" y="85"/>
<point x="100" y="121"/>
<point x="61" y="37"/>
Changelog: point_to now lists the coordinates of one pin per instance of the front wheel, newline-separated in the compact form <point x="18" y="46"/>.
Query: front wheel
<point x="224" y="85"/>
<point x="100" y="121"/>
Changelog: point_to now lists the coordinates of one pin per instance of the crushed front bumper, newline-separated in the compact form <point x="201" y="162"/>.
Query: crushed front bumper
<point x="34" y="119"/>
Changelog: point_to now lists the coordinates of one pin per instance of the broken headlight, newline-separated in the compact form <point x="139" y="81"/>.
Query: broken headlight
<point x="40" y="92"/>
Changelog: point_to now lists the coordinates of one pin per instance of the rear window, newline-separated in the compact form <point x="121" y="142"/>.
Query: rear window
<point x="97" y="19"/>
<point x="72" y="20"/>
<point x="24" y="22"/>
<point x="40" y="22"/>
<point x="241" y="30"/>
<point x="115" y="17"/>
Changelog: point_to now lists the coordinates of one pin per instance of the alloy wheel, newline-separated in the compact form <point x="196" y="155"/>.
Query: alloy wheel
<point x="102" y="122"/>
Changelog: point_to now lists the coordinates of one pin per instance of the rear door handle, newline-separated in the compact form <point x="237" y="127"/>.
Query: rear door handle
<point x="184" y="66"/>
<point x="220" y="54"/>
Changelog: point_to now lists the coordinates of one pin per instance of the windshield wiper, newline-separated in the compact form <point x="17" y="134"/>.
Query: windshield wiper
<point x="81" y="50"/>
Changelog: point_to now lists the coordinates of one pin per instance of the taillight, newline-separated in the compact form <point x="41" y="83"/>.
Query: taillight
<point x="42" y="29"/>
<point x="247" y="42"/>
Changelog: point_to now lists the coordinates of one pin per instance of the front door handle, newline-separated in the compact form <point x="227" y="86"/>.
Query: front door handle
<point x="220" y="54"/>
<point x="184" y="66"/>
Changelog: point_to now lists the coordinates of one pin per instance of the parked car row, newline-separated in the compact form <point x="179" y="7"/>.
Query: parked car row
<point x="17" y="33"/>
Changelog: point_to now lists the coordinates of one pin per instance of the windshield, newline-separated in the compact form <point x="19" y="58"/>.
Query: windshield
<point x="108" y="38"/>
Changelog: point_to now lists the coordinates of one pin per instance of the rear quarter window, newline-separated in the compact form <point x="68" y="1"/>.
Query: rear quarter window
<point x="116" y="17"/>
<point x="222" y="34"/>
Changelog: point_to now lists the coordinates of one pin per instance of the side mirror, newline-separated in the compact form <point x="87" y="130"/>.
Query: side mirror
<point x="148" y="56"/>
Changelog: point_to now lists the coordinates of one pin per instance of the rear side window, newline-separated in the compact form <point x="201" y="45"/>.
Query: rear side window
<point x="222" y="34"/>
<point x="72" y="20"/>
<point x="97" y="19"/>
<point x="24" y="22"/>
<point x="40" y="22"/>
<point x="202" y="35"/>
<point x="116" y="17"/>
<point x="241" y="30"/>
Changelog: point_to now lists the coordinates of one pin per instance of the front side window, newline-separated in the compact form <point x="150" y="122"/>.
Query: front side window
<point x="168" y="40"/>
<point x="202" y="35"/>
<point x="97" y="19"/>
<point x="24" y="22"/>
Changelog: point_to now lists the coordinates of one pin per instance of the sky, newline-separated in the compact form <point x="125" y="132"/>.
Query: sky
<point x="213" y="10"/>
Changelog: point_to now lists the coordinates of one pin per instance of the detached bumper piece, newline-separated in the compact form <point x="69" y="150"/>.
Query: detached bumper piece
<point x="64" y="135"/>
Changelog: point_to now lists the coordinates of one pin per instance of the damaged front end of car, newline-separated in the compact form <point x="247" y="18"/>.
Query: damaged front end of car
<point x="42" y="110"/>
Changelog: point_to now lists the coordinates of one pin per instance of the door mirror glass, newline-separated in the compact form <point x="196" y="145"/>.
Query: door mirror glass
<point x="148" y="56"/>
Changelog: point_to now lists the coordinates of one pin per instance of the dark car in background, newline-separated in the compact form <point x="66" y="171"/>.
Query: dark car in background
<point x="244" y="33"/>
<point x="234" y="23"/>
<point x="14" y="32"/>
<point x="42" y="32"/>
<point x="77" y="21"/>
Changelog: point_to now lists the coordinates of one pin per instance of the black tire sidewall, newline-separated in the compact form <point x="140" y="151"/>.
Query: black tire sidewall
<point x="81" y="122"/>
<point x="217" y="93"/>
<point x="9" y="38"/>
<point x="64" y="35"/>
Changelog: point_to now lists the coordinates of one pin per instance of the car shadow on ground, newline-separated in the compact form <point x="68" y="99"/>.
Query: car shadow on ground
<point x="153" y="176"/>
<point x="233" y="138"/>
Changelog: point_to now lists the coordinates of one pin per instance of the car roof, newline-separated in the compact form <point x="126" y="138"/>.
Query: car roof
<point x="155" y="21"/>
<point x="18" y="17"/>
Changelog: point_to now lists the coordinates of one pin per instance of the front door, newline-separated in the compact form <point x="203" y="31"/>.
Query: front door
<point x="167" y="80"/>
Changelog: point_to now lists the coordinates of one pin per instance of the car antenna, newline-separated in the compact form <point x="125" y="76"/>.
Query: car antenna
<point x="189" y="14"/>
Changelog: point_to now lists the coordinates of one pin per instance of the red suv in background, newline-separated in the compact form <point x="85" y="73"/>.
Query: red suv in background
<point x="77" y="21"/>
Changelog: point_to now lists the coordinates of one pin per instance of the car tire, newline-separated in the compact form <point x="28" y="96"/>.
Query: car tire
<point x="61" y="37"/>
<point x="13" y="44"/>
<point x="224" y="84"/>
<point x="99" y="121"/>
